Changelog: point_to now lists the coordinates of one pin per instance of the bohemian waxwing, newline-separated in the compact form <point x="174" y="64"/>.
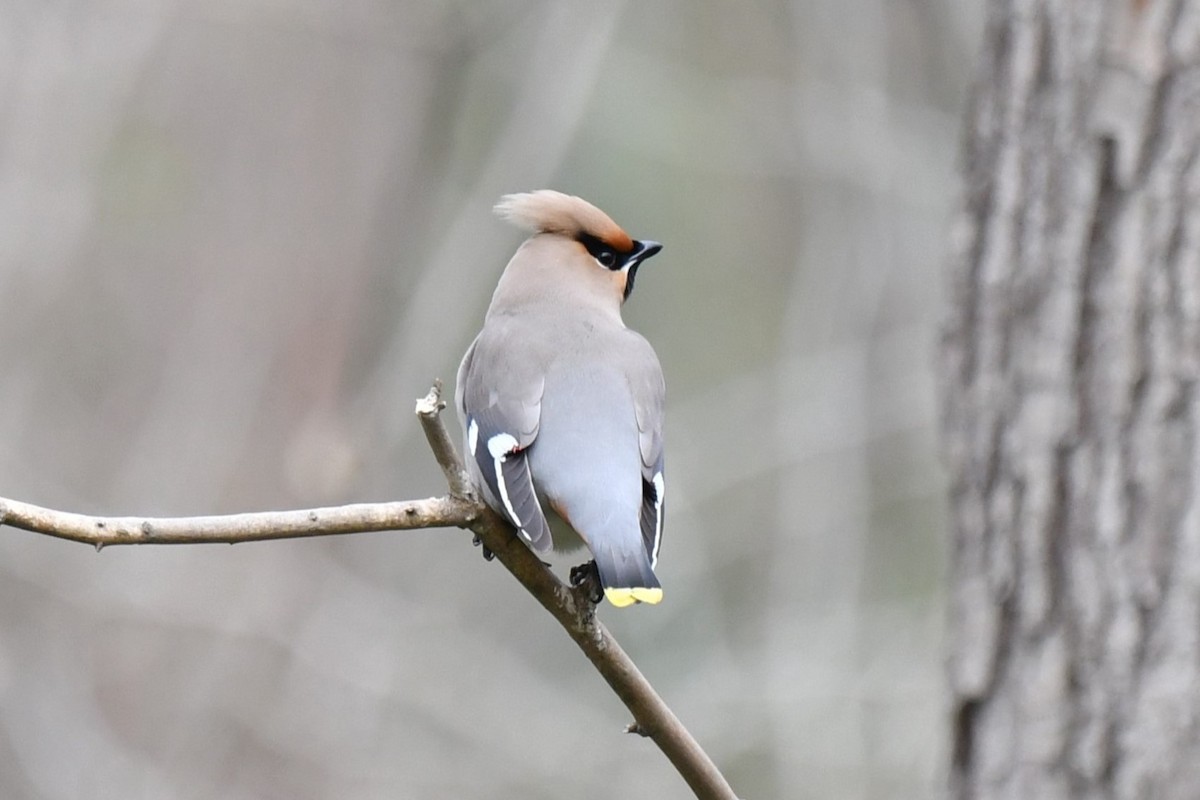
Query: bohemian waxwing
<point x="561" y="404"/>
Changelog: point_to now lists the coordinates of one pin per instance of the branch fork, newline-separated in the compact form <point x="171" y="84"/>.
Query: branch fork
<point x="572" y="606"/>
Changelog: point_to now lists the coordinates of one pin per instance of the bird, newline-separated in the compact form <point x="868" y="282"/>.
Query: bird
<point x="562" y="405"/>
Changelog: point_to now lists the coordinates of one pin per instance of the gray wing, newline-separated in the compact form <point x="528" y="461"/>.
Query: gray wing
<point x="499" y="401"/>
<point x="649" y="393"/>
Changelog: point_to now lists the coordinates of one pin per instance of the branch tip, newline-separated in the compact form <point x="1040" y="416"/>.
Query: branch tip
<point x="431" y="404"/>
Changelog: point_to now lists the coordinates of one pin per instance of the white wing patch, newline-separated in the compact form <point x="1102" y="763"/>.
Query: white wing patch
<point x="660" y="489"/>
<point x="473" y="436"/>
<point x="500" y="446"/>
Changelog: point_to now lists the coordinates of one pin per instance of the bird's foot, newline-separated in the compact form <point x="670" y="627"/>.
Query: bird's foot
<point x="588" y="576"/>
<point x="488" y="555"/>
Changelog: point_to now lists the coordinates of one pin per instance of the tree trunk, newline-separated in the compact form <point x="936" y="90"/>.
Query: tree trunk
<point x="1069" y="361"/>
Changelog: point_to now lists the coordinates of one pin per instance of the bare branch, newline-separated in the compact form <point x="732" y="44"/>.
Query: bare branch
<point x="429" y="410"/>
<point x="571" y="606"/>
<point x="576" y="613"/>
<point x="434" y="512"/>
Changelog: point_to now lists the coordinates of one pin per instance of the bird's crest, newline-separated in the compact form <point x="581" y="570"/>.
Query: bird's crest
<point x="548" y="211"/>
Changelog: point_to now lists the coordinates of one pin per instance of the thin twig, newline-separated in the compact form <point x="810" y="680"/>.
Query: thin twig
<point x="572" y="607"/>
<point x="429" y="410"/>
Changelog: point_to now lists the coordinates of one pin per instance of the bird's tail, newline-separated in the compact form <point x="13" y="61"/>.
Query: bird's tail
<point x="627" y="577"/>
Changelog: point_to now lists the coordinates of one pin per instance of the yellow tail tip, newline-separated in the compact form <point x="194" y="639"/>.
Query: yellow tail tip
<point x="627" y="597"/>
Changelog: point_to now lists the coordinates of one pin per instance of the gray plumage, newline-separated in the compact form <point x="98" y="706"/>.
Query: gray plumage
<point x="561" y="404"/>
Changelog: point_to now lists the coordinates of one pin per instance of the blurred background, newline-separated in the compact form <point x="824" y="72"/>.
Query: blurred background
<point x="238" y="238"/>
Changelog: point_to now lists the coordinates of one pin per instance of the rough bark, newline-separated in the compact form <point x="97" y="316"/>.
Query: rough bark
<point x="1069" y="362"/>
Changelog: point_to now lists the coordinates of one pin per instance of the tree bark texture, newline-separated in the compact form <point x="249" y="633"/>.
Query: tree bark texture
<point x="1069" y="360"/>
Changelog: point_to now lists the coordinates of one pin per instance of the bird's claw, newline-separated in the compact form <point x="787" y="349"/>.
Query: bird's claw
<point x="488" y="555"/>
<point x="588" y="576"/>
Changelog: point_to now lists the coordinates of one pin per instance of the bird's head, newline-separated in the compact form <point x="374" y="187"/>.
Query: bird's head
<point x="586" y="227"/>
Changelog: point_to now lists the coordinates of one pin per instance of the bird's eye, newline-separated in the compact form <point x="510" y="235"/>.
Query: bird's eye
<point x="604" y="253"/>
